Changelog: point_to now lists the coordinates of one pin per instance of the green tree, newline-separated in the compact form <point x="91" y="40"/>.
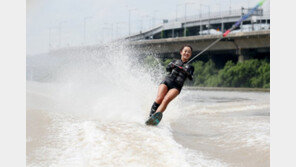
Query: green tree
<point x="250" y="73"/>
<point x="204" y="71"/>
<point x="166" y="62"/>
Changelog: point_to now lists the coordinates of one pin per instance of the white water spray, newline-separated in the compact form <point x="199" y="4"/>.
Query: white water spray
<point x="91" y="107"/>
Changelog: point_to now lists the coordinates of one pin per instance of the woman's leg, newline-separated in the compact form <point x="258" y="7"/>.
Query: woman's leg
<point x="162" y="90"/>
<point x="171" y="94"/>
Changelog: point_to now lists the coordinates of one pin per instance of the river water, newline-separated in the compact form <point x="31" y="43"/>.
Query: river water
<point x="230" y="126"/>
<point x="84" y="110"/>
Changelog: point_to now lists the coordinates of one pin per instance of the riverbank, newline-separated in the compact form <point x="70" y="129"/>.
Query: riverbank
<point x="227" y="89"/>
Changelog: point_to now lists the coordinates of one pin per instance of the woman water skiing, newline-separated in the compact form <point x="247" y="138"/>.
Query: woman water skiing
<point x="172" y="85"/>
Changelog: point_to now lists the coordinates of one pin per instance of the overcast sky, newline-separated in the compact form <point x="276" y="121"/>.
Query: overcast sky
<point x="105" y="20"/>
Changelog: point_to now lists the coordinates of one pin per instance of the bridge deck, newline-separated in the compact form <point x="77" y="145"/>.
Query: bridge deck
<point x="240" y="40"/>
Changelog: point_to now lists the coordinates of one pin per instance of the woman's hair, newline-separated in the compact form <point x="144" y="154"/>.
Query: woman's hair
<point x="186" y="46"/>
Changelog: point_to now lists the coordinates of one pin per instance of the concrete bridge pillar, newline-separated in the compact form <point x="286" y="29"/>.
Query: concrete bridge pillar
<point x="173" y="33"/>
<point x="242" y="56"/>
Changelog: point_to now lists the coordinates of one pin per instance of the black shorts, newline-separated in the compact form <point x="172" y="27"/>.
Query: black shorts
<point x="171" y="84"/>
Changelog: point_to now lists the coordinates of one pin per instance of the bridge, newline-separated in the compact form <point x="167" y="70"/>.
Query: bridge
<point x="251" y="39"/>
<point x="202" y="24"/>
<point x="242" y="44"/>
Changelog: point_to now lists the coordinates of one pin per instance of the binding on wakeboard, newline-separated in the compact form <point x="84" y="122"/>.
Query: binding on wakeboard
<point x="154" y="119"/>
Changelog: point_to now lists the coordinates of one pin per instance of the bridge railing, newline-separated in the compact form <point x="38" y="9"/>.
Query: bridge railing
<point x="213" y="15"/>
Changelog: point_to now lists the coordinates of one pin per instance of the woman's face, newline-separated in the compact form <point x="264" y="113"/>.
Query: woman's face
<point x="186" y="54"/>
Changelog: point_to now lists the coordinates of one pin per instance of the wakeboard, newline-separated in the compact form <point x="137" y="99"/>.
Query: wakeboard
<point x="154" y="119"/>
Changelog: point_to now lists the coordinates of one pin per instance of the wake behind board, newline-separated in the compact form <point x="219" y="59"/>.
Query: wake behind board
<point x="154" y="119"/>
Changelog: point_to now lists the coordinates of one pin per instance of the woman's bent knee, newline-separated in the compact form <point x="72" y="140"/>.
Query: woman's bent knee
<point x="159" y="99"/>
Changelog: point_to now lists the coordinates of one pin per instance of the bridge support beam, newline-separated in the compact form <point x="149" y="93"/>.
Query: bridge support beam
<point x="241" y="55"/>
<point x="173" y="33"/>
